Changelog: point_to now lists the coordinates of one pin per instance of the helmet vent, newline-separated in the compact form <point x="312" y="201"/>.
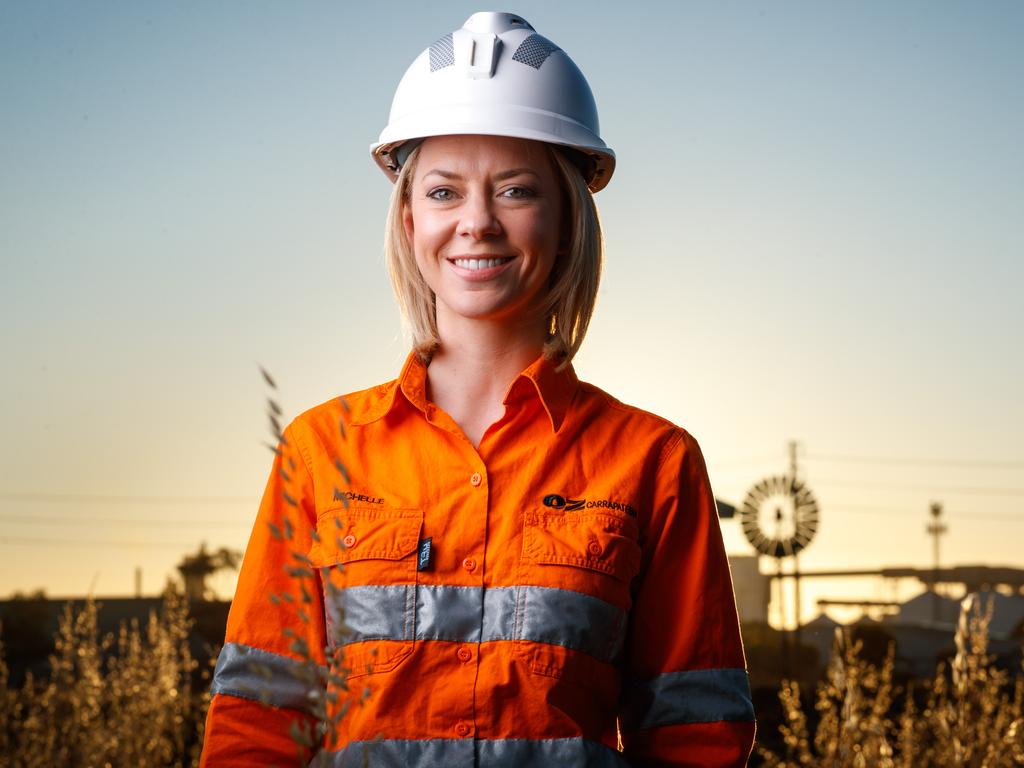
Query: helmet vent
<point x="442" y="53"/>
<point x="533" y="51"/>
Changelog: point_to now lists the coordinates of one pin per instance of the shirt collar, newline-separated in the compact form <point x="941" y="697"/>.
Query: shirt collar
<point x="555" y="389"/>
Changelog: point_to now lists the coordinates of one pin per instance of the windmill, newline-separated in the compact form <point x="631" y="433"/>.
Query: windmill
<point x="779" y="517"/>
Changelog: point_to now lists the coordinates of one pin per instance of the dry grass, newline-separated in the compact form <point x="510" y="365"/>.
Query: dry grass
<point x="124" y="700"/>
<point x="972" y="716"/>
<point x="327" y="686"/>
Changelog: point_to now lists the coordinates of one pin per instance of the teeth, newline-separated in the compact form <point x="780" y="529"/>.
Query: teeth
<point x="479" y="263"/>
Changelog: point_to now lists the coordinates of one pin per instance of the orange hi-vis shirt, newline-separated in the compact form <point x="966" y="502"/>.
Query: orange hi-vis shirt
<point x="540" y="600"/>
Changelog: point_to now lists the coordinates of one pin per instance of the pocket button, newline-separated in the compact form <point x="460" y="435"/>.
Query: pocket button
<point x="594" y="548"/>
<point x="349" y="541"/>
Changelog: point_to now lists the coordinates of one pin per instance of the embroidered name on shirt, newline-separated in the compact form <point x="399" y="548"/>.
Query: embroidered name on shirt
<point x="555" y="501"/>
<point x="350" y="496"/>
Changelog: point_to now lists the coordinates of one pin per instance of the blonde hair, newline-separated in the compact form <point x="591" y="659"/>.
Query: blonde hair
<point x="575" y="277"/>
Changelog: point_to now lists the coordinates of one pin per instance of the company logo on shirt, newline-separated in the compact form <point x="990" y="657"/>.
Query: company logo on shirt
<point x="555" y="501"/>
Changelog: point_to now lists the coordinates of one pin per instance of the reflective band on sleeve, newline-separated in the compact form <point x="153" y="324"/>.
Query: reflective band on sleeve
<point x="465" y="753"/>
<point x="693" y="696"/>
<point x="472" y="614"/>
<point x="252" y="673"/>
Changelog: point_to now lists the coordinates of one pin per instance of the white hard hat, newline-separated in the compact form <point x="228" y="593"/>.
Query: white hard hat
<point x="496" y="76"/>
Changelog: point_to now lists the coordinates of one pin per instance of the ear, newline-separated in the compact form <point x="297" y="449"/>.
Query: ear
<point x="407" y="223"/>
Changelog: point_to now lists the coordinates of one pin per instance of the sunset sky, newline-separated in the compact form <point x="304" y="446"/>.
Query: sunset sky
<point x="814" y="233"/>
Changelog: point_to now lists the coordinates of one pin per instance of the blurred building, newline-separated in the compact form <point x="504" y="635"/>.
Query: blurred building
<point x="752" y="588"/>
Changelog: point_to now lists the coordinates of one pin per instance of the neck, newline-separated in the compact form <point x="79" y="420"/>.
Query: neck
<point x="487" y="349"/>
<point x="474" y="365"/>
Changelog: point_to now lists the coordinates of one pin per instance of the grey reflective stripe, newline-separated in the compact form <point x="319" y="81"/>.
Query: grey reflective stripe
<point x="400" y="753"/>
<point x="252" y="673"/>
<point x="544" y="753"/>
<point x="374" y="613"/>
<point x="467" y="753"/>
<point x="449" y="613"/>
<point x="693" y="696"/>
<point x="473" y="614"/>
<point x="571" y="619"/>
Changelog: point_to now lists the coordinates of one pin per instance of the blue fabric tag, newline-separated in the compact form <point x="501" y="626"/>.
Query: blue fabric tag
<point x="425" y="555"/>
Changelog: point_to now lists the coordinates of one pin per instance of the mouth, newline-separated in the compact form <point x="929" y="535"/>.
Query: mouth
<point x="479" y="268"/>
<point x="477" y="264"/>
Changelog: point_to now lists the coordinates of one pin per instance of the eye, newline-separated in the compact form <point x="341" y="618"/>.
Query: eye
<point x="518" y="192"/>
<point x="441" y="194"/>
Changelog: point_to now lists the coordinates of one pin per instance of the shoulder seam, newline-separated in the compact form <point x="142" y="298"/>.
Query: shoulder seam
<point x="307" y="460"/>
<point x="670" y="446"/>
<point x="618" y="405"/>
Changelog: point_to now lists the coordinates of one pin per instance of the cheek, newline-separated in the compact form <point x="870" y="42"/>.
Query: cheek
<point x="545" y="232"/>
<point x="426" y="232"/>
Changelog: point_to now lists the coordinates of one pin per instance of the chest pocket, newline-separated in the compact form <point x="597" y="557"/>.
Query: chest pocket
<point x="575" y="550"/>
<point x="367" y="562"/>
<point x="573" y="605"/>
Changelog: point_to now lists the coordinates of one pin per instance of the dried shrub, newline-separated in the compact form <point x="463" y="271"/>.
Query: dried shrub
<point x="108" y="701"/>
<point x="326" y="685"/>
<point x="973" y="717"/>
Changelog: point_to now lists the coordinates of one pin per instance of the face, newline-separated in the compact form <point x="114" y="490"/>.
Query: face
<point x="484" y="220"/>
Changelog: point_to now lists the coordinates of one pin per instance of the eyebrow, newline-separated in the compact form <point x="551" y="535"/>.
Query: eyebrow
<point x="500" y="176"/>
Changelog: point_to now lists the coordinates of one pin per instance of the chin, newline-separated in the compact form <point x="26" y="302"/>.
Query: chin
<point x="481" y="310"/>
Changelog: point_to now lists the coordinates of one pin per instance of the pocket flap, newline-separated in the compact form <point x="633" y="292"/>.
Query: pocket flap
<point x="598" y="542"/>
<point x="356" y="533"/>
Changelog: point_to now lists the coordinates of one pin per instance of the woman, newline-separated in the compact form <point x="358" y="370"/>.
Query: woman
<point x="514" y="568"/>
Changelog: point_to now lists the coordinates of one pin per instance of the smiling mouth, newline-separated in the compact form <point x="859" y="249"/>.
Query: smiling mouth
<point x="475" y="264"/>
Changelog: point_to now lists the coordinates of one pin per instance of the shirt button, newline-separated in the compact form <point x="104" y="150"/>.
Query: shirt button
<point x="594" y="548"/>
<point x="469" y="564"/>
<point x="475" y="479"/>
<point x="349" y="541"/>
<point x="463" y="729"/>
<point x="465" y="654"/>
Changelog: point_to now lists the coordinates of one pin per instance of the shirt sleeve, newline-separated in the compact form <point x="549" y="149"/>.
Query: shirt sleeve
<point x="272" y="660"/>
<point x="686" y="699"/>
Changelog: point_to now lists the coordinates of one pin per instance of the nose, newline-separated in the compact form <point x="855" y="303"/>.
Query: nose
<point x="478" y="219"/>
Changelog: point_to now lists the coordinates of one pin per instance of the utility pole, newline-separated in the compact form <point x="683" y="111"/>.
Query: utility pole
<point x="796" y="560"/>
<point x="935" y="529"/>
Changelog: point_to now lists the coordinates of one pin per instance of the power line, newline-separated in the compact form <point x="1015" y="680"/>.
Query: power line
<point x="922" y="462"/>
<point x="54" y="520"/>
<point x="933" y="489"/>
<point x="99" y="498"/>
<point x="955" y="515"/>
<point x="79" y="543"/>
<point x="743" y="461"/>
<point x="990" y="518"/>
